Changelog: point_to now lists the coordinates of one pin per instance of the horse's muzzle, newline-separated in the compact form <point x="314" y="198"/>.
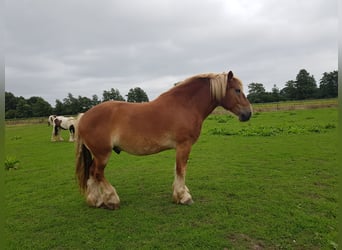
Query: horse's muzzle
<point x="243" y="117"/>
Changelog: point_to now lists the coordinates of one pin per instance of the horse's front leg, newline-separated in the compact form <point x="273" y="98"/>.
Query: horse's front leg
<point x="58" y="134"/>
<point x="72" y="133"/>
<point x="180" y="191"/>
<point x="53" y="137"/>
<point x="71" y="137"/>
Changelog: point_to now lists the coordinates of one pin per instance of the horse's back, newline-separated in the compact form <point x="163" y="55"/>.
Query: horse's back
<point x="99" y="118"/>
<point x="117" y="113"/>
<point x="101" y="115"/>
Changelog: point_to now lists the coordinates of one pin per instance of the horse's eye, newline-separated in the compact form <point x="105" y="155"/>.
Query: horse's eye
<point x="237" y="91"/>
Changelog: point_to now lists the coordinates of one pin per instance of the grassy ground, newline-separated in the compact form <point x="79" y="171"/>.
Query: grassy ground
<point x="270" y="183"/>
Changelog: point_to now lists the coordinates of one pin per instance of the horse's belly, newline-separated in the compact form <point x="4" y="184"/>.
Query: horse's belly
<point x="145" y="150"/>
<point x="144" y="145"/>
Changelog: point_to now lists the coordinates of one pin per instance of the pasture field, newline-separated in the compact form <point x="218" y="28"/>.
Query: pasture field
<point x="298" y="104"/>
<point x="270" y="183"/>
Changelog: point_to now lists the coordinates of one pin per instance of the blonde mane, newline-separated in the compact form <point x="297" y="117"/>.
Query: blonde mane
<point x="218" y="83"/>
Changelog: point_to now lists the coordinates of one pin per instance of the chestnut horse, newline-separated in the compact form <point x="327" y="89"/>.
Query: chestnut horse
<point x="171" y="121"/>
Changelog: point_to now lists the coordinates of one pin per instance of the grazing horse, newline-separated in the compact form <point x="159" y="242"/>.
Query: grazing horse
<point x="61" y="122"/>
<point x="171" y="121"/>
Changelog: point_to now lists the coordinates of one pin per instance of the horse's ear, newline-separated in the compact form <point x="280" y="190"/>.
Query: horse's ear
<point x="230" y="76"/>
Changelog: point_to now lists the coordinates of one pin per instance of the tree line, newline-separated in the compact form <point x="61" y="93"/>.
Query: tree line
<point x="19" y="107"/>
<point x="304" y="87"/>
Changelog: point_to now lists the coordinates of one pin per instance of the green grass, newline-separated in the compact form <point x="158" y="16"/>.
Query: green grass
<point x="270" y="183"/>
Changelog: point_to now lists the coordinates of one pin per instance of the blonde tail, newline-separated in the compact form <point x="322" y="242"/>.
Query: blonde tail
<point x="83" y="158"/>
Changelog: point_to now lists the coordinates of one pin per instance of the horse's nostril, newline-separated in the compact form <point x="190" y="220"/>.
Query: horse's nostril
<point x="245" y="116"/>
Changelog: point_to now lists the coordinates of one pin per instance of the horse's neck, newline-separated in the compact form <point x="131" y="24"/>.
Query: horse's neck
<point x="204" y="102"/>
<point x="195" y="96"/>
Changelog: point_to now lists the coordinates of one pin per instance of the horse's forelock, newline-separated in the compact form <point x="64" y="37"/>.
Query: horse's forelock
<point x="239" y="83"/>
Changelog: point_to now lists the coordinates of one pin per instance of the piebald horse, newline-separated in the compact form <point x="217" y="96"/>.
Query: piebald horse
<point x="61" y="122"/>
<point x="171" y="121"/>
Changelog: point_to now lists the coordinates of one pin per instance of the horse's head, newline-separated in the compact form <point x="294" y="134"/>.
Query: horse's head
<point x="235" y="100"/>
<point x="50" y="119"/>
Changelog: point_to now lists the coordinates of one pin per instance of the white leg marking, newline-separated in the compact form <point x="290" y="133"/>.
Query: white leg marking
<point x="180" y="191"/>
<point x="109" y="196"/>
<point x="71" y="138"/>
<point x="94" y="197"/>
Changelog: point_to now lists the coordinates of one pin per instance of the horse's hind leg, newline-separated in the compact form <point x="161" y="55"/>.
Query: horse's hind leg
<point x="110" y="197"/>
<point x="100" y="193"/>
<point x="180" y="191"/>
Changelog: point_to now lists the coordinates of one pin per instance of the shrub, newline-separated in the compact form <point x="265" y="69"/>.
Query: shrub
<point x="11" y="163"/>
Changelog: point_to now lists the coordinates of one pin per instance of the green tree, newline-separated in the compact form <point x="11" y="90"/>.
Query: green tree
<point x="289" y="91"/>
<point x="71" y="105"/>
<point x="39" y="106"/>
<point x="95" y="100"/>
<point x="275" y="94"/>
<point x="23" y="108"/>
<point x="112" y="94"/>
<point x="59" y="108"/>
<point x="305" y="85"/>
<point x="20" y="107"/>
<point x="328" y="85"/>
<point x="10" y="101"/>
<point x="256" y="92"/>
<point x="137" y="95"/>
<point x="10" y="114"/>
<point x="10" y="105"/>
<point x="84" y="104"/>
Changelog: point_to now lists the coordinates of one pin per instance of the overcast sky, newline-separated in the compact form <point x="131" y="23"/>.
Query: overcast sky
<point x="53" y="48"/>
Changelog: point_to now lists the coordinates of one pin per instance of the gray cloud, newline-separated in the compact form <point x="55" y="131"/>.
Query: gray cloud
<point x="85" y="47"/>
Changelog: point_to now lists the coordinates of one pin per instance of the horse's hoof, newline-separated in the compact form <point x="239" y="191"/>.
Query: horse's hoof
<point x="111" y="206"/>
<point x="187" y="202"/>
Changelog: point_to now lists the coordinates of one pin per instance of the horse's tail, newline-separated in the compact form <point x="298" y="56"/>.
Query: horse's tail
<point x="83" y="159"/>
